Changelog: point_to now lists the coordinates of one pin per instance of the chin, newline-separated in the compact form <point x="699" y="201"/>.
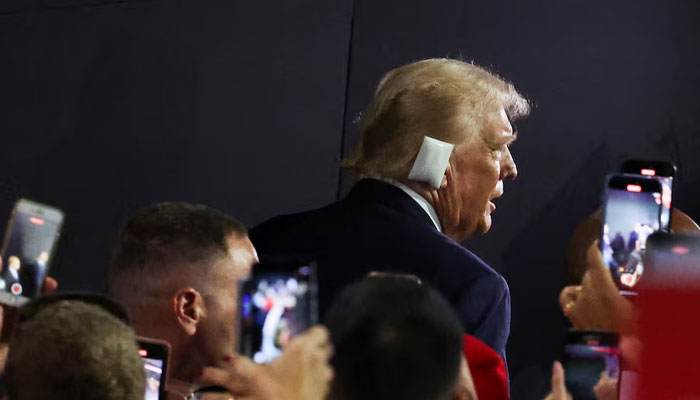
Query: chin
<point x="484" y="225"/>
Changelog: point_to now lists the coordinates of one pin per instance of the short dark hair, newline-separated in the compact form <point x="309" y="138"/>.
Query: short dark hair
<point x="166" y="232"/>
<point x="394" y="338"/>
<point x="69" y="349"/>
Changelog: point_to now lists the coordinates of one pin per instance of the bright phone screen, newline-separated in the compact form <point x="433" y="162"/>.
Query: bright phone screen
<point x="29" y="243"/>
<point x="154" y="371"/>
<point x="275" y="306"/>
<point x="630" y="217"/>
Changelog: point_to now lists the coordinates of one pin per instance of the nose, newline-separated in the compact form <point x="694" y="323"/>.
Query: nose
<point x="508" y="168"/>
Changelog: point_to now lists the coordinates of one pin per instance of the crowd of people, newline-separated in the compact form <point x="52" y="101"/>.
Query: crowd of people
<point x="408" y="312"/>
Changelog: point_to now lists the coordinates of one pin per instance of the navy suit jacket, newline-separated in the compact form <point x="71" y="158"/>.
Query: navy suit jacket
<point x="378" y="227"/>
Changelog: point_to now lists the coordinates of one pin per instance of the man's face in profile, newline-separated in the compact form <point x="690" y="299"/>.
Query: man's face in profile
<point x="479" y="166"/>
<point x="219" y="330"/>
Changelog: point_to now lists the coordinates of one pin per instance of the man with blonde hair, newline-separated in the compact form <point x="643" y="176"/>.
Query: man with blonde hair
<point x="432" y="155"/>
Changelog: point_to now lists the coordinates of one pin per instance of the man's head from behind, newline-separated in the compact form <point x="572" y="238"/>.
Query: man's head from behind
<point x="176" y="267"/>
<point x="73" y="350"/>
<point x="394" y="338"/>
<point x="455" y="102"/>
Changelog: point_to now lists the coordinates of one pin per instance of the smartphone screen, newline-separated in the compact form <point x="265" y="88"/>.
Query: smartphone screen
<point x="632" y="210"/>
<point x="155" y="358"/>
<point x="587" y="354"/>
<point x="662" y="171"/>
<point x="27" y="250"/>
<point x="278" y="302"/>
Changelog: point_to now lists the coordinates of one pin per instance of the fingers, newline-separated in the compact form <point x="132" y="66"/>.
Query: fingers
<point x="597" y="271"/>
<point x="568" y="297"/>
<point x="50" y="284"/>
<point x="316" y="339"/>
<point x="606" y="388"/>
<point x="239" y="375"/>
<point x="558" y="381"/>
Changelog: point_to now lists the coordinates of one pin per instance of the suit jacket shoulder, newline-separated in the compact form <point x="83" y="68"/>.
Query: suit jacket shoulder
<point x="379" y="227"/>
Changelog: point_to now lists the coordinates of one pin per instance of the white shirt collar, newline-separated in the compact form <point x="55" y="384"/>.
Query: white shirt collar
<point x="422" y="202"/>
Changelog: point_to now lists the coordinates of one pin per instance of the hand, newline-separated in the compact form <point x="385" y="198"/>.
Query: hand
<point x="464" y="388"/>
<point x="301" y="373"/>
<point x="606" y="388"/>
<point x="559" y="391"/>
<point x="597" y="304"/>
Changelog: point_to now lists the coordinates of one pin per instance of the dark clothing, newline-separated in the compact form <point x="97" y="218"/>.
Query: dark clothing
<point x="378" y="227"/>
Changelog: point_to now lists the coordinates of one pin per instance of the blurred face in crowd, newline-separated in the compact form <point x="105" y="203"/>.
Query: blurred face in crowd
<point x="478" y="167"/>
<point x="216" y="336"/>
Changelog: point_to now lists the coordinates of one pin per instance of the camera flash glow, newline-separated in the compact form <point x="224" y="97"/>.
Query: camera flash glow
<point x="143" y="353"/>
<point x="648" y="172"/>
<point x="634" y="188"/>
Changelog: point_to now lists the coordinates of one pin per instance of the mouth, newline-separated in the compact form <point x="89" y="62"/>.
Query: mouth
<point x="492" y="207"/>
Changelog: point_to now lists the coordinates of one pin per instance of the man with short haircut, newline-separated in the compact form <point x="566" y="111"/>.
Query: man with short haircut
<point x="73" y="350"/>
<point x="408" y="214"/>
<point x="394" y="338"/>
<point x="176" y="268"/>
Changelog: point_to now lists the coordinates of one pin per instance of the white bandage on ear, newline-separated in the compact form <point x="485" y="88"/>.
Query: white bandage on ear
<point x="431" y="162"/>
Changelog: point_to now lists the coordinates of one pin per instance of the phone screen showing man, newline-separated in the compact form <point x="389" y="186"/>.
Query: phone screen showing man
<point x="27" y="248"/>
<point x="277" y="303"/>
<point x="631" y="215"/>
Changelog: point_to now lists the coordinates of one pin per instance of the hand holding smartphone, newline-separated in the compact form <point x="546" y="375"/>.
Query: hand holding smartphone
<point x="632" y="211"/>
<point x="278" y="302"/>
<point x="27" y="250"/>
<point x="588" y="354"/>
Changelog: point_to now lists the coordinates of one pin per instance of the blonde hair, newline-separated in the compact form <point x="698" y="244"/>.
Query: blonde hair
<point x="424" y="98"/>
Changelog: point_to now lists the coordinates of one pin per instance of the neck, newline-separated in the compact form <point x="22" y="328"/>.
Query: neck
<point x="446" y="211"/>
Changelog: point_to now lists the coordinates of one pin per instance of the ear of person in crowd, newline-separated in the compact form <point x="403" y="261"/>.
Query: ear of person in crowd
<point x="301" y="373"/>
<point x="176" y="268"/>
<point x="597" y="304"/>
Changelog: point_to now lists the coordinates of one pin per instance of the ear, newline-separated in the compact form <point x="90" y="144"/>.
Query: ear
<point x="189" y="309"/>
<point x="448" y="171"/>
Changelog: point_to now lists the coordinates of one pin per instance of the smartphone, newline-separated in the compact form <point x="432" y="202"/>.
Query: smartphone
<point x="631" y="212"/>
<point x="155" y="355"/>
<point x="587" y="354"/>
<point x="673" y="260"/>
<point x="668" y="325"/>
<point x="277" y="302"/>
<point x="27" y="250"/>
<point x="665" y="173"/>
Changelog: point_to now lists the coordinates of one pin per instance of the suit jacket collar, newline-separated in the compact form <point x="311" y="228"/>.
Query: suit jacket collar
<point x="373" y="191"/>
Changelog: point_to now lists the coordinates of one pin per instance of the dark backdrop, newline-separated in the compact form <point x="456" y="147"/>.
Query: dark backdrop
<point x="106" y="106"/>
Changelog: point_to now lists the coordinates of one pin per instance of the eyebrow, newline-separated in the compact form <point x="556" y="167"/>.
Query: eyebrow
<point x="505" y="140"/>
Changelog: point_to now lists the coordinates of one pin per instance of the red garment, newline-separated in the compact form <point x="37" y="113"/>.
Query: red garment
<point x="488" y="370"/>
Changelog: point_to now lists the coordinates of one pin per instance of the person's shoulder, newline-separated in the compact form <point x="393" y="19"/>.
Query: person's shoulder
<point x="296" y="226"/>
<point x="450" y="252"/>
